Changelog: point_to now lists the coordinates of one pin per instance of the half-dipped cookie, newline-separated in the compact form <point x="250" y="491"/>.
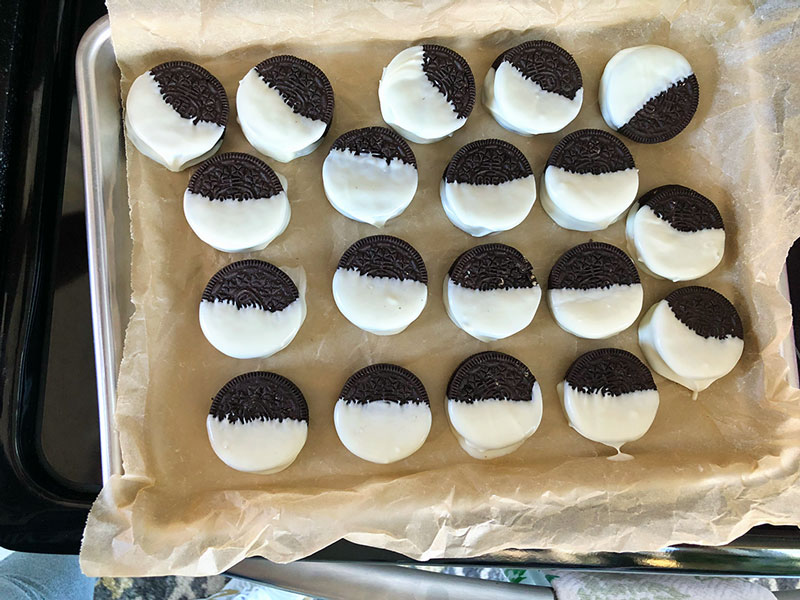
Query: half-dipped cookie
<point x="370" y="175"/>
<point x="694" y="336"/>
<point x="258" y="423"/>
<point x="535" y="87"/>
<point x="251" y="309"/>
<point x="675" y="233"/>
<point x="488" y="186"/>
<point x="594" y="291"/>
<point x="236" y="203"/>
<point x="176" y="114"/>
<point x="609" y="396"/>
<point x="381" y="284"/>
<point x="648" y="93"/>
<point x="590" y="180"/>
<point x="383" y="414"/>
<point x="285" y="107"/>
<point x="491" y="292"/>
<point x="493" y="404"/>
<point x="426" y="93"/>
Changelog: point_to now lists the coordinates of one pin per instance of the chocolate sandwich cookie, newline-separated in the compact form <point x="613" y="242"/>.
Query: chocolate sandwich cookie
<point x="251" y="309"/>
<point x="535" y="87"/>
<point x="648" y="93"/>
<point x="493" y="403"/>
<point x="488" y="186"/>
<point x="370" y="175"/>
<point x="676" y="233"/>
<point x="491" y="292"/>
<point x="285" y="107"/>
<point x="236" y="203"/>
<point x="589" y="181"/>
<point x="594" y="291"/>
<point x="426" y="93"/>
<point x="381" y="284"/>
<point x="383" y="414"/>
<point x="176" y="114"/>
<point x="609" y="396"/>
<point x="694" y="336"/>
<point x="258" y="423"/>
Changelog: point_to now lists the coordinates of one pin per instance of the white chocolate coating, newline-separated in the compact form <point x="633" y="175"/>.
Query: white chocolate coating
<point x="411" y="104"/>
<point x="636" y="75"/>
<point x="262" y="446"/>
<point x="232" y="225"/>
<point x="609" y="419"/>
<point x="587" y="202"/>
<point x="596" y="313"/>
<point x="159" y="132"/>
<point x="483" y="209"/>
<point x="522" y="106"/>
<point x="382" y="432"/>
<point x="669" y="253"/>
<point x="676" y="352"/>
<point x="490" y="315"/>
<point x="270" y="124"/>
<point x="364" y="188"/>
<point x="490" y="428"/>
<point x="379" y="305"/>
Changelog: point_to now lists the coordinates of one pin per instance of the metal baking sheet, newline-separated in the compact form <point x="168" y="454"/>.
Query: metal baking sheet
<point x="766" y="550"/>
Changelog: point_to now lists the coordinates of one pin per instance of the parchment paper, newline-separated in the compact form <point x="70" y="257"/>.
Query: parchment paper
<point x="705" y="473"/>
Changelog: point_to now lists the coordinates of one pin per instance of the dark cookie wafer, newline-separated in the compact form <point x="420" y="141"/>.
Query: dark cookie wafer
<point x="683" y="208"/>
<point x="592" y="265"/>
<point x="302" y="85"/>
<point x="252" y="283"/>
<point x="259" y="395"/>
<point x="609" y="371"/>
<point x="386" y="382"/>
<point x="192" y="91"/>
<point x="666" y="115"/>
<point x="706" y="312"/>
<point x="591" y="151"/>
<point x="492" y="267"/>
<point x="487" y="162"/>
<point x="235" y="175"/>
<point x="385" y="256"/>
<point x="450" y="74"/>
<point x="547" y="64"/>
<point x="491" y="376"/>
<point x="380" y="142"/>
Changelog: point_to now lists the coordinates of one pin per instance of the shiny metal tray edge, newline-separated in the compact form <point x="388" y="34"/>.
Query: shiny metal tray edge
<point x="773" y="551"/>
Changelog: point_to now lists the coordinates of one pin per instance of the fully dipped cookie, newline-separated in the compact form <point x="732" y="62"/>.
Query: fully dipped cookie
<point x="383" y="414"/>
<point x="176" y="114"/>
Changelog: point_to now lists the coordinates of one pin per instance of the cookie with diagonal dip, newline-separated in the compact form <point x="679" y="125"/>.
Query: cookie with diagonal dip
<point x="285" y="107"/>
<point x="491" y="292"/>
<point x="648" y="93"/>
<point x="488" y="186"/>
<point x="176" y="114"/>
<point x="535" y="87"/>
<point x="383" y="414"/>
<point x="251" y="309"/>
<point x="694" y="336"/>
<point x="426" y="93"/>
<point x="609" y="396"/>
<point x="590" y="180"/>
<point x="381" y="284"/>
<point x="370" y="175"/>
<point x="594" y="291"/>
<point x="675" y="233"/>
<point x="236" y="203"/>
<point x="258" y="423"/>
<point x="493" y="404"/>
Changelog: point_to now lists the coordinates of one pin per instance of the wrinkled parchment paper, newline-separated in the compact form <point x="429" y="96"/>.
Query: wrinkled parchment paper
<point x="705" y="473"/>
